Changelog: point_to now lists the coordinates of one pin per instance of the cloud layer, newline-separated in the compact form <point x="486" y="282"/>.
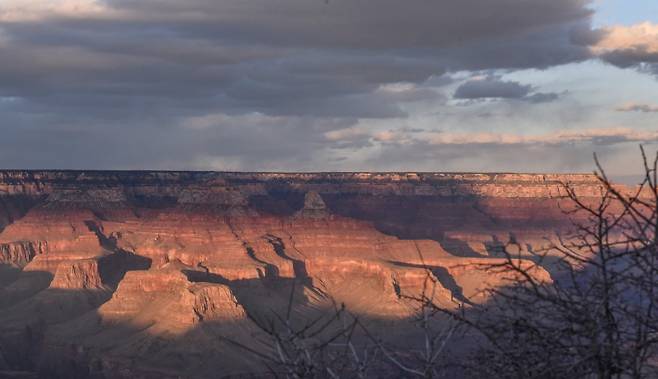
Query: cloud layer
<point x="271" y="84"/>
<point x="406" y="136"/>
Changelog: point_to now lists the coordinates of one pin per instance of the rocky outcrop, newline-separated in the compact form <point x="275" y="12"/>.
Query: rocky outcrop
<point x="122" y="274"/>
<point x="78" y="274"/>
<point x="314" y="206"/>
<point x="166" y="301"/>
<point x="20" y="253"/>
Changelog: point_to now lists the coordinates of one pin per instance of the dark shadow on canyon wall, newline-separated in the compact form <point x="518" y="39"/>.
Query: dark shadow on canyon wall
<point x="445" y="279"/>
<point x="282" y="199"/>
<point x="59" y="334"/>
<point x="458" y="247"/>
<point x="14" y="207"/>
<point x="298" y="266"/>
<point x="8" y="274"/>
<point x="30" y="308"/>
<point x="425" y="216"/>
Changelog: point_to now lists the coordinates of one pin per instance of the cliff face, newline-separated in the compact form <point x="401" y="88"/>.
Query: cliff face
<point x="138" y="272"/>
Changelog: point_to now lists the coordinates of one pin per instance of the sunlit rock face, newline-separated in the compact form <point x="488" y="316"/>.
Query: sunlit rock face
<point x="144" y="274"/>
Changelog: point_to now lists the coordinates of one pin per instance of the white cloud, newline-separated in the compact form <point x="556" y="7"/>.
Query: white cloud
<point x="346" y="134"/>
<point x="33" y="10"/>
<point x="400" y="87"/>
<point x="643" y="37"/>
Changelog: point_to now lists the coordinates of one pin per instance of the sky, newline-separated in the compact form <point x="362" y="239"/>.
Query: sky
<point x="328" y="85"/>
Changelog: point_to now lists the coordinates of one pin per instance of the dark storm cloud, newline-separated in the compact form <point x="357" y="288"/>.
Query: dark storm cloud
<point x="625" y="58"/>
<point x="275" y="50"/>
<point x="492" y="87"/>
<point x="379" y="24"/>
<point x="94" y="78"/>
<point x="495" y="88"/>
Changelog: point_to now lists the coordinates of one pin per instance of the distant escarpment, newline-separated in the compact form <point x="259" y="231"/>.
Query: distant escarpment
<point x="136" y="274"/>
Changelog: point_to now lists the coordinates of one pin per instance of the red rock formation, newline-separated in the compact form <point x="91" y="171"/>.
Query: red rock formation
<point x="153" y="266"/>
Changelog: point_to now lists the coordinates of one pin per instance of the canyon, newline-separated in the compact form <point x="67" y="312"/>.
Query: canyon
<point x="126" y="274"/>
